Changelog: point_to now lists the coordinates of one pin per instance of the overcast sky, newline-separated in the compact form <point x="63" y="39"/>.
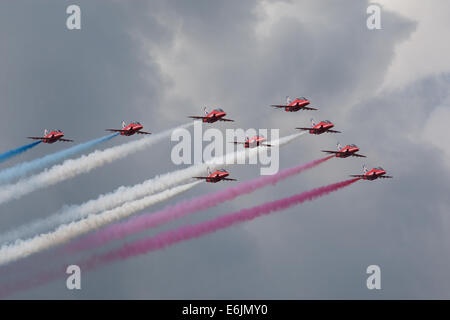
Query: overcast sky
<point x="157" y="62"/>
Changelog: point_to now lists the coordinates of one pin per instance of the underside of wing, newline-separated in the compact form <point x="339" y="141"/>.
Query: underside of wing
<point x="229" y="179"/>
<point x="329" y="151"/>
<point x="142" y="132"/>
<point x="358" y="155"/>
<point x="386" y="177"/>
<point x="36" y="138"/>
<point x="266" y="145"/>
<point x="308" y="108"/>
<point x="66" y="140"/>
<point x="357" y="175"/>
<point x="333" y="131"/>
<point x="306" y="129"/>
<point x="115" y="130"/>
<point x="196" y="117"/>
<point x="223" y="119"/>
<point x="278" y="106"/>
<point x="200" y="177"/>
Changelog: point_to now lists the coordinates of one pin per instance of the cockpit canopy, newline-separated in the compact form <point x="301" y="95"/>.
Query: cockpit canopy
<point x="136" y="122"/>
<point x="219" y="109"/>
<point x="302" y="98"/>
<point x="353" y="145"/>
<point x="222" y="170"/>
<point x="379" y="168"/>
<point x="326" y="121"/>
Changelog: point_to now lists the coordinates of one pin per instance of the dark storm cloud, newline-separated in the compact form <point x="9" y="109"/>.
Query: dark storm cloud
<point x="113" y="69"/>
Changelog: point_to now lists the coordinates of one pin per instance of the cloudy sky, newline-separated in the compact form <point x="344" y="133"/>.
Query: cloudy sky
<point x="155" y="61"/>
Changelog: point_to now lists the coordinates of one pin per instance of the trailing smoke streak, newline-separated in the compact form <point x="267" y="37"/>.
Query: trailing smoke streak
<point x="73" y="167"/>
<point x="170" y="213"/>
<point x="68" y="231"/>
<point x="124" y="194"/>
<point x="22" y="169"/>
<point x="12" y="153"/>
<point x="165" y="239"/>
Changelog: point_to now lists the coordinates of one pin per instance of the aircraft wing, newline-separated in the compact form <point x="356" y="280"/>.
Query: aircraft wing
<point x="386" y="177"/>
<point x="357" y="175"/>
<point x="197" y="117"/>
<point x="266" y="145"/>
<point x="358" y="155"/>
<point x="308" y="108"/>
<point x="115" y="130"/>
<point x="65" y="140"/>
<point x="36" y="138"/>
<point x="200" y="177"/>
<point x="278" y="106"/>
<point x="229" y="179"/>
<point x="142" y="132"/>
<point x="334" y="152"/>
<point x="236" y="142"/>
<point x="333" y="131"/>
<point x="306" y="129"/>
<point x="223" y="119"/>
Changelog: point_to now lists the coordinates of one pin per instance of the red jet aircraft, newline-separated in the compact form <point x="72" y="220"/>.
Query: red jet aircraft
<point x="255" y="141"/>
<point x="321" y="127"/>
<point x="372" y="174"/>
<point x="51" y="137"/>
<point x="345" y="152"/>
<point x="213" y="116"/>
<point x="129" y="130"/>
<point x="216" y="176"/>
<point x="295" y="105"/>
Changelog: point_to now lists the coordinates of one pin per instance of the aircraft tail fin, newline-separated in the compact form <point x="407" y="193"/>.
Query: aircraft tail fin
<point x="313" y="123"/>
<point x="208" y="170"/>
<point x="338" y="146"/>
<point x="288" y="100"/>
<point x="205" y="110"/>
<point x="45" y="132"/>
<point x="123" y="124"/>
<point x="365" y="168"/>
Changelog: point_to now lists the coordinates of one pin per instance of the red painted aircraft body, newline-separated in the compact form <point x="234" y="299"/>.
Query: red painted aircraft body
<point x="372" y="174"/>
<point x="255" y="141"/>
<point x="51" y="137"/>
<point x="213" y="116"/>
<point x="321" y="127"/>
<point x="295" y="105"/>
<point x="345" y="152"/>
<point x="216" y="176"/>
<point x="129" y="130"/>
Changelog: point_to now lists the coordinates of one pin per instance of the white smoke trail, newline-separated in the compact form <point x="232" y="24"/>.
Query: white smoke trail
<point x="72" y="167"/>
<point x="22" y="248"/>
<point x="66" y="232"/>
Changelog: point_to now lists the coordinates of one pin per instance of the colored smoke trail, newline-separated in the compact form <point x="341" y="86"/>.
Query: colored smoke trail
<point x="22" y="169"/>
<point x="184" y="233"/>
<point x="151" y="220"/>
<point x="12" y="153"/>
<point x="23" y="248"/>
<point x="73" y="167"/>
<point x="131" y="193"/>
<point x="167" y="238"/>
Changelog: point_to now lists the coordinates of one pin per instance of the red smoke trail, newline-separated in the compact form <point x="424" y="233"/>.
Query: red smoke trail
<point x="183" y="233"/>
<point x="150" y="220"/>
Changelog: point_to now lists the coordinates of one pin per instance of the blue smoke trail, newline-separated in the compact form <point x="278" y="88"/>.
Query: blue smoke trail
<point x="12" y="153"/>
<point x="24" y="168"/>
